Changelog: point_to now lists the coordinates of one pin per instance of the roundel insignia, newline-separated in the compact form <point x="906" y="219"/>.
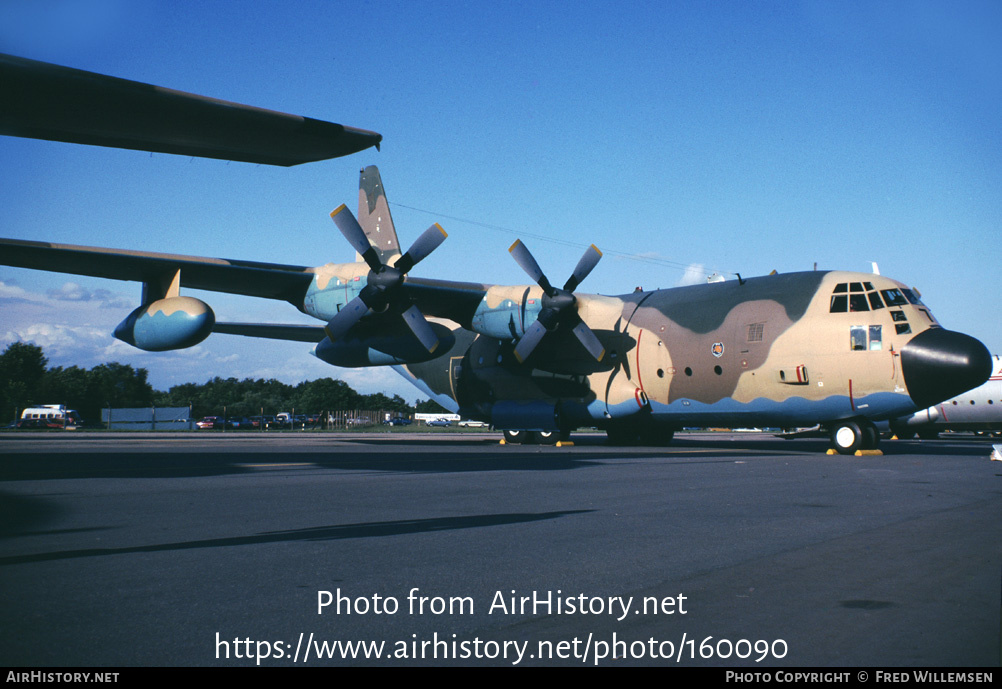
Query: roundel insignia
<point x="717" y="349"/>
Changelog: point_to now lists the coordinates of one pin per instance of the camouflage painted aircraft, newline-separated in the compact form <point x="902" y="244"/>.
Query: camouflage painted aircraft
<point x="834" y="349"/>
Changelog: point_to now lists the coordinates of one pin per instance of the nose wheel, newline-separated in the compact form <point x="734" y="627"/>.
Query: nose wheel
<point x="854" y="434"/>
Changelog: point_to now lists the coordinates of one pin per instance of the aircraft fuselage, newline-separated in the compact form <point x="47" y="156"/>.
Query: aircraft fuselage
<point x="783" y="350"/>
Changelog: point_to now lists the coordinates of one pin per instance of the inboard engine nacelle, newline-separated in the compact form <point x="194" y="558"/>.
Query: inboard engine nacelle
<point x="169" y="323"/>
<point x="387" y="345"/>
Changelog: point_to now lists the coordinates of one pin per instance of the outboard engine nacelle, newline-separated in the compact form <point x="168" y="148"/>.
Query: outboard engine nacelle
<point x="169" y="323"/>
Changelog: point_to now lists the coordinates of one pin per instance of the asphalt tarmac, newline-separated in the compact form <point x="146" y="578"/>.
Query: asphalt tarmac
<point x="427" y="549"/>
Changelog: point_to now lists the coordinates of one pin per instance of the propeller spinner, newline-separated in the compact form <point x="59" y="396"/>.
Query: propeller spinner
<point x="559" y="305"/>
<point x="383" y="287"/>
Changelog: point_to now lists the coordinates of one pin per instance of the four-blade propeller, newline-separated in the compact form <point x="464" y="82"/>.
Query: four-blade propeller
<point x="383" y="290"/>
<point x="383" y="287"/>
<point x="559" y="305"/>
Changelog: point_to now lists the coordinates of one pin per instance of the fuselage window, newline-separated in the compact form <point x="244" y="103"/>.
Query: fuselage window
<point x="857" y="338"/>
<point x="875" y="338"/>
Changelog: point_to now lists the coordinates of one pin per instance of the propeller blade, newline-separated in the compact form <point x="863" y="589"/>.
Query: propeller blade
<point x="421" y="328"/>
<point x="429" y="240"/>
<point x="588" y="261"/>
<point x="355" y="235"/>
<point x="529" y="341"/>
<point x="524" y="259"/>
<point x="345" y="318"/>
<point x="589" y="340"/>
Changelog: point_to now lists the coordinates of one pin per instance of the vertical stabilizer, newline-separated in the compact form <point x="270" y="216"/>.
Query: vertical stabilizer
<point x="374" y="216"/>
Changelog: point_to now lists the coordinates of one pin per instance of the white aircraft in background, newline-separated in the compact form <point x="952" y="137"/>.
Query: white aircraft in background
<point x="978" y="410"/>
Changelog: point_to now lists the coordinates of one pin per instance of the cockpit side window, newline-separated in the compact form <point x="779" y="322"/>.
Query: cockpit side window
<point x="912" y="297"/>
<point x="894" y="297"/>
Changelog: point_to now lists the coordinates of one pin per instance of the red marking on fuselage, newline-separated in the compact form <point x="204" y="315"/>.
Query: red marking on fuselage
<point x="640" y="380"/>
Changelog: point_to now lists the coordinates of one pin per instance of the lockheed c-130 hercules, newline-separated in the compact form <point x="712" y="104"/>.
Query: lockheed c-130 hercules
<point x="834" y="349"/>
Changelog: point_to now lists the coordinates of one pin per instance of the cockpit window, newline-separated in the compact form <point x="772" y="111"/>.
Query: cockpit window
<point x="857" y="302"/>
<point x="912" y="297"/>
<point x="854" y="297"/>
<point x="894" y="297"/>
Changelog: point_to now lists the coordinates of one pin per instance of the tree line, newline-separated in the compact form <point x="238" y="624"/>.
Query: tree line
<point x="26" y="380"/>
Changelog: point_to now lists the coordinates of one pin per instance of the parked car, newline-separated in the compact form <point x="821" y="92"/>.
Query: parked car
<point x="398" y="421"/>
<point x="210" y="422"/>
<point x="440" y="422"/>
<point x="470" y="423"/>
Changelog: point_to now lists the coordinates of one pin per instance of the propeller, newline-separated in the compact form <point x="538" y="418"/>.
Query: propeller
<point x="383" y="286"/>
<point x="559" y="305"/>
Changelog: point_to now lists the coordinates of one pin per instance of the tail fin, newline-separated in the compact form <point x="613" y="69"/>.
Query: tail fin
<point x="374" y="216"/>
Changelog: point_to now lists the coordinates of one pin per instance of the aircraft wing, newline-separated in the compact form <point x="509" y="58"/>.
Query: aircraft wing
<point x="44" y="101"/>
<point x="273" y="331"/>
<point x="250" y="278"/>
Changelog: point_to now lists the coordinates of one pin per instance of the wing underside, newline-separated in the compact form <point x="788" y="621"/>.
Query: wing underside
<point x="44" y="101"/>
<point x="266" y="280"/>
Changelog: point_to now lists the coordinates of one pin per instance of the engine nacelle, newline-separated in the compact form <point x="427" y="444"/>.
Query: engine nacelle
<point x="528" y="416"/>
<point x="387" y="346"/>
<point x="169" y="323"/>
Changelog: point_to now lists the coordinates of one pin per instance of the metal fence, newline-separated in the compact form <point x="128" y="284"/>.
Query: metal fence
<point x="148" y="419"/>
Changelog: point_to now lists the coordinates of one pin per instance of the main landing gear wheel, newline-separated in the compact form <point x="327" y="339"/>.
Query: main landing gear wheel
<point x="871" y="436"/>
<point x="516" y="437"/>
<point x="547" y="437"/>
<point x="849" y="436"/>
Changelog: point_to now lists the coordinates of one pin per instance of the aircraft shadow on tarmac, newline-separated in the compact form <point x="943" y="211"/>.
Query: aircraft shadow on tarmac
<point x="317" y="533"/>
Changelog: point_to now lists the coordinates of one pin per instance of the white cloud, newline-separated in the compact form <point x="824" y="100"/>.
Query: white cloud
<point x="73" y="323"/>
<point x="695" y="274"/>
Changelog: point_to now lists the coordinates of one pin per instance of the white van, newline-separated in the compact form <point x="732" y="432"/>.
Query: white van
<point x="49" y="416"/>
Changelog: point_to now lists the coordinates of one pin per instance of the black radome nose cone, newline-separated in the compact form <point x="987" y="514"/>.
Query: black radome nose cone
<point x="939" y="364"/>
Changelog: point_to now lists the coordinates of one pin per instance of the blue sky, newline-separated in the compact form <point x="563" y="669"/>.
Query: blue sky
<point x="679" y="137"/>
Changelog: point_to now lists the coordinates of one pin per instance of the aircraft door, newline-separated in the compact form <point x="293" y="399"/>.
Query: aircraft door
<point x="652" y="370"/>
<point x="641" y="372"/>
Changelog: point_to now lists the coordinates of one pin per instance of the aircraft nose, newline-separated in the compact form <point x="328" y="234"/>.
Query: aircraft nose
<point x="939" y="364"/>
